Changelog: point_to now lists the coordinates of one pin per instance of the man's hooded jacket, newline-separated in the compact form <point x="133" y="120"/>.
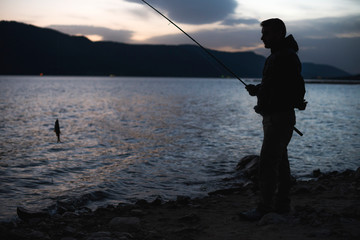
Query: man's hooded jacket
<point x="282" y="87"/>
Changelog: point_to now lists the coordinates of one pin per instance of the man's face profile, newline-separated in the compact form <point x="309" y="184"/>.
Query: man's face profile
<point x="269" y="37"/>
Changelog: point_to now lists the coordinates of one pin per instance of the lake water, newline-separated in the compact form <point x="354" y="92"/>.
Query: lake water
<point x="138" y="138"/>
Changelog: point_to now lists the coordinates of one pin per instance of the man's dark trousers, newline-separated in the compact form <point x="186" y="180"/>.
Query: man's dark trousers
<point x="274" y="170"/>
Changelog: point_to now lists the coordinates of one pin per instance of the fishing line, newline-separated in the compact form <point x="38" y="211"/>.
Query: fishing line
<point x="207" y="51"/>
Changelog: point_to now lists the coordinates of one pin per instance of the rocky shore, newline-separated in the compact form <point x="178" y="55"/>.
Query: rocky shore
<point x="325" y="207"/>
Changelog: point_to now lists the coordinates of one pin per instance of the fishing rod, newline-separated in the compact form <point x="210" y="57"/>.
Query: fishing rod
<point x="207" y="51"/>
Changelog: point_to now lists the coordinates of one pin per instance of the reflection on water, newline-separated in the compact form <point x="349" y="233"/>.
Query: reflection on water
<point x="130" y="138"/>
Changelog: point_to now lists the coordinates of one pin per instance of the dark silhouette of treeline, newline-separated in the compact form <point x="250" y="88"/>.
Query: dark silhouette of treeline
<point x="30" y="50"/>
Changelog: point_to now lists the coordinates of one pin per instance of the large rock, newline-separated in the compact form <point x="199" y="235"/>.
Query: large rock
<point x="249" y="166"/>
<point x="25" y="214"/>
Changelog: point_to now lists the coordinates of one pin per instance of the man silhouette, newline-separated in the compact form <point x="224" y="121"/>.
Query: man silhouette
<point x="281" y="90"/>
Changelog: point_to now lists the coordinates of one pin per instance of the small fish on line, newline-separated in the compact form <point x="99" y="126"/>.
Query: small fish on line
<point x="57" y="130"/>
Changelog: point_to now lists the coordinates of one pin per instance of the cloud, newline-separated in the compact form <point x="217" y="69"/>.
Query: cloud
<point x="195" y="12"/>
<point x="327" y="27"/>
<point x="231" y="39"/>
<point x="235" y="21"/>
<point x="105" y="34"/>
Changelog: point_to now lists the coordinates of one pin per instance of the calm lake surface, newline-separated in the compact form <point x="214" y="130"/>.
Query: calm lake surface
<point x="125" y="139"/>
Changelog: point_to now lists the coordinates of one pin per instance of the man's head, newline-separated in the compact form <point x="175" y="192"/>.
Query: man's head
<point x="273" y="31"/>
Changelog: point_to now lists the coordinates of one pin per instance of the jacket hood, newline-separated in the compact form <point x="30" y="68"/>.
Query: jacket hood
<point x="288" y="42"/>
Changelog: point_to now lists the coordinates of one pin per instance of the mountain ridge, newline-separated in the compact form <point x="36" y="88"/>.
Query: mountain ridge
<point x="29" y="50"/>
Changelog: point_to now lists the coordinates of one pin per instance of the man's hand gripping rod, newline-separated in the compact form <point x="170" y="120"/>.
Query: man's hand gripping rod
<point x="207" y="51"/>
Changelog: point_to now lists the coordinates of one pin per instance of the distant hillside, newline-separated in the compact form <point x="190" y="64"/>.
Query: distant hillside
<point x="30" y="50"/>
<point x="311" y="70"/>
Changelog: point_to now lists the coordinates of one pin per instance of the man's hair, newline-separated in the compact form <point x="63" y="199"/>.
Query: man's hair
<point x="276" y="24"/>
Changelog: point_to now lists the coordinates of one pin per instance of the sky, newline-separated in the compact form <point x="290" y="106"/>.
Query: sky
<point x="327" y="31"/>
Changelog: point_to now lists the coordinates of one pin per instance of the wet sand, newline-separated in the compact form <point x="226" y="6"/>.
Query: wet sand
<point x="326" y="207"/>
